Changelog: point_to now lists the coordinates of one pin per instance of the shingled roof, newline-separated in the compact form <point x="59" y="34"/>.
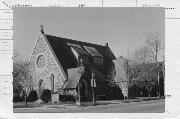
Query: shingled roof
<point x="61" y="47"/>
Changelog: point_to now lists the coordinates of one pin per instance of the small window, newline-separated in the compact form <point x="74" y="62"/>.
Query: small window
<point x="85" y="59"/>
<point x="98" y="60"/>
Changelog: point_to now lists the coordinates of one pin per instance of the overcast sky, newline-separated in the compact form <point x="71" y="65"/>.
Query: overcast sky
<point x="125" y="29"/>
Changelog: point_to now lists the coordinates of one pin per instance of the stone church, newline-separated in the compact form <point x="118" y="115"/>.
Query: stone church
<point x="61" y="64"/>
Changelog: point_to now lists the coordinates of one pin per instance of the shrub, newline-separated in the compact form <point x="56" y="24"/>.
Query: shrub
<point x="32" y="97"/>
<point x="16" y="97"/>
<point x="67" y="98"/>
<point x="46" y="95"/>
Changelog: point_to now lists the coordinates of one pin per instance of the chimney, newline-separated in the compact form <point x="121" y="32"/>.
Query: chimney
<point x="106" y="44"/>
<point x="41" y="29"/>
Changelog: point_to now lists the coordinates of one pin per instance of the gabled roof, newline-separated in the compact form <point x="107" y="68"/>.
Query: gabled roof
<point x="97" y="49"/>
<point x="61" y="47"/>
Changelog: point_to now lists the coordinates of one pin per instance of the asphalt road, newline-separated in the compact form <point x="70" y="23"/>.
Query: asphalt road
<point x="154" y="106"/>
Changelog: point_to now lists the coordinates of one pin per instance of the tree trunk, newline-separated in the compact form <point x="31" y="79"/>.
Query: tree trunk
<point x="149" y="92"/>
<point x="149" y="95"/>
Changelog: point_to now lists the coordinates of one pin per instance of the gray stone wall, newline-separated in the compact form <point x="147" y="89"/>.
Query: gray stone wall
<point x="50" y="67"/>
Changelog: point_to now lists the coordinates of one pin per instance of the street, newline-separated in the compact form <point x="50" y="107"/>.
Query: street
<point x="116" y="106"/>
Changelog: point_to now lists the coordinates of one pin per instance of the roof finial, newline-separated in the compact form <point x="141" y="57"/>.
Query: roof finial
<point x="42" y="30"/>
<point x="106" y="44"/>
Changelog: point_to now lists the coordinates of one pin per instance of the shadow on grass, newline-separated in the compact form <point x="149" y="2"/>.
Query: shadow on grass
<point x="141" y="99"/>
<point x="96" y="104"/>
<point x="24" y="106"/>
<point x="57" y="107"/>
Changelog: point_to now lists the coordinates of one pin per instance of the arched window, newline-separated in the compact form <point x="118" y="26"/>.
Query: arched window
<point x="40" y="82"/>
<point x="40" y="88"/>
<point x="41" y="61"/>
<point x="52" y="82"/>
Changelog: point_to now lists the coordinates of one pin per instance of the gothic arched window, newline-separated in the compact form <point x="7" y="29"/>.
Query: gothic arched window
<point x="52" y="82"/>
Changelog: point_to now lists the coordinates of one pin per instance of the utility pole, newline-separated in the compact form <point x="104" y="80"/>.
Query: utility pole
<point x="79" y="93"/>
<point x="93" y="86"/>
<point x="158" y="81"/>
<point x="156" y="58"/>
<point x="128" y="69"/>
<point x="26" y="96"/>
<point x="127" y="78"/>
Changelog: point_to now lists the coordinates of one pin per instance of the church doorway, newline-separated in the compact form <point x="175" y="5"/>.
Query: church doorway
<point x="40" y="88"/>
<point x="83" y="90"/>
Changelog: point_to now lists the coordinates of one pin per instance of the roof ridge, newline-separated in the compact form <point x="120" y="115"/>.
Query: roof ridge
<point x="82" y="42"/>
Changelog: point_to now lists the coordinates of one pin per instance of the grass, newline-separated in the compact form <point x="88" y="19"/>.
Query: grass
<point x="140" y="99"/>
<point x="35" y="104"/>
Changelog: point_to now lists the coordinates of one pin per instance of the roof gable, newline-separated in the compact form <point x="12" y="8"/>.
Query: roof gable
<point x="43" y="48"/>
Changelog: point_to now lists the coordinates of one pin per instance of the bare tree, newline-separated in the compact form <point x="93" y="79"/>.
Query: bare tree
<point x="142" y="55"/>
<point x="21" y="71"/>
<point x="154" y="42"/>
<point x="144" y="65"/>
<point x="21" y="75"/>
<point x="143" y="71"/>
<point x="146" y="77"/>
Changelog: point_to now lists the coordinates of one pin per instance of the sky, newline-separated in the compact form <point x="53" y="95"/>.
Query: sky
<point x="124" y="29"/>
